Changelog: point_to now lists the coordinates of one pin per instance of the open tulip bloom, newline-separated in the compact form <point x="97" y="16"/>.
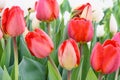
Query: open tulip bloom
<point x="105" y="58"/>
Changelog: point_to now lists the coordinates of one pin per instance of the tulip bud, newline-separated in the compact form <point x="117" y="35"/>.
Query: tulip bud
<point x="39" y="43"/>
<point x="100" y="31"/>
<point x="84" y="11"/>
<point x="113" y="24"/>
<point x="13" y="23"/>
<point x="80" y="29"/>
<point x="69" y="54"/>
<point x="98" y="15"/>
<point x="47" y="10"/>
<point x="105" y="58"/>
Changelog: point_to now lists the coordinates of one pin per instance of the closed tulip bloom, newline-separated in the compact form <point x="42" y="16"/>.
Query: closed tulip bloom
<point x="105" y="57"/>
<point x="69" y="54"/>
<point x="80" y="29"/>
<point x="113" y="24"/>
<point x="39" y="43"/>
<point x="13" y="23"/>
<point x="84" y="11"/>
<point x="47" y="10"/>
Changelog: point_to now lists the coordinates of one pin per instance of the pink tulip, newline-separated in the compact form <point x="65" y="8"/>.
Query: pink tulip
<point x="69" y="54"/>
<point x="13" y="23"/>
<point x="39" y="43"/>
<point x="105" y="58"/>
<point x="80" y="29"/>
<point x="47" y="10"/>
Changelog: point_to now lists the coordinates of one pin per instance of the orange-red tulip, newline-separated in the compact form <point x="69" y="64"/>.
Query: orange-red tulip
<point x="13" y="23"/>
<point x="80" y="29"/>
<point x="47" y="10"/>
<point x="39" y="43"/>
<point x="105" y="57"/>
<point x="84" y="11"/>
<point x="69" y="54"/>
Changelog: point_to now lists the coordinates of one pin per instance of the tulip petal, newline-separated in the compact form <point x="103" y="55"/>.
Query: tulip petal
<point x="111" y="59"/>
<point x="69" y="57"/>
<point x="96" y="58"/>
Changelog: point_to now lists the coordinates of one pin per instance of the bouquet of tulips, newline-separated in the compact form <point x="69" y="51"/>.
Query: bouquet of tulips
<point x="60" y="43"/>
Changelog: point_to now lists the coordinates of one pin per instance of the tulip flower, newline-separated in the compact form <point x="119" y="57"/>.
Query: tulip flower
<point x="84" y="11"/>
<point x="47" y="10"/>
<point x="80" y="29"/>
<point x="13" y="23"/>
<point x="105" y="57"/>
<point x="69" y="54"/>
<point x="39" y="43"/>
<point x="113" y="24"/>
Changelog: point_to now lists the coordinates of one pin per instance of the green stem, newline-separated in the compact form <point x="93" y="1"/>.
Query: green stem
<point x="69" y="75"/>
<point x="100" y="76"/>
<point x="15" y="58"/>
<point x="116" y="75"/>
<point x="49" y="58"/>
<point x="48" y="28"/>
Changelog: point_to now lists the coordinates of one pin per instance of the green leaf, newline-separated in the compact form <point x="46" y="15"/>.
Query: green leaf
<point x="5" y="59"/>
<point x="22" y="48"/>
<point x="1" y="73"/>
<point x="65" y="6"/>
<point x="64" y="75"/>
<point x="31" y="70"/>
<point x="86" y="61"/>
<point x="91" y="75"/>
<point x="6" y="75"/>
<point x="52" y="73"/>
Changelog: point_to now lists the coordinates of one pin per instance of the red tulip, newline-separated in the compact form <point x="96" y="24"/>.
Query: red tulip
<point x="69" y="54"/>
<point x="13" y="22"/>
<point x="80" y="29"/>
<point x="84" y="11"/>
<point x="39" y="43"/>
<point x="105" y="57"/>
<point x="47" y="10"/>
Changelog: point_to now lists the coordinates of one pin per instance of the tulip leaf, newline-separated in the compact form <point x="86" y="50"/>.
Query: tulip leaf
<point x="64" y="75"/>
<point x="52" y="73"/>
<point x="1" y="73"/>
<point x="30" y="69"/>
<point x="91" y="75"/>
<point x="6" y="76"/>
<point x="22" y="48"/>
<point x="86" y="61"/>
<point x="65" y="6"/>
<point x="5" y="59"/>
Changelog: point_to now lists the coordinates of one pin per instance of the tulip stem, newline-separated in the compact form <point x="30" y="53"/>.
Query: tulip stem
<point x="116" y="75"/>
<point x="48" y="28"/>
<point x="15" y="58"/>
<point x="69" y="75"/>
<point x="100" y="76"/>
<point x="53" y="64"/>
